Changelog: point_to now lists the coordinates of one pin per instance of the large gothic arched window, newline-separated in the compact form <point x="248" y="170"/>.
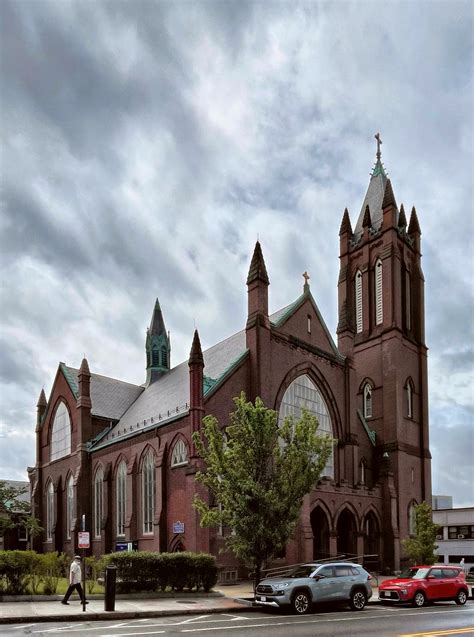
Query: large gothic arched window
<point x="61" y="434"/>
<point x="49" y="512"/>
<point x="98" y="501"/>
<point x="148" y="492"/>
<point x="303" y="394"/>
<point x="69" y="507"/>
<point x="121" y="497"/>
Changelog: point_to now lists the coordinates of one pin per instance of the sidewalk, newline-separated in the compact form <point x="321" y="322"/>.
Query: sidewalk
<point x="223" y="600"/>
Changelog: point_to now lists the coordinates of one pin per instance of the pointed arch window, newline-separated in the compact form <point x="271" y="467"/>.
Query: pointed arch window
<point x="98" y="501"/>
<point x="164" y="357"/>
<point x="49" y="512"/>
<point x="148" y="492"/>
<point x="378" y="293"/>
<point x="61" y="433"/>
<point x="407" y="300"/>
<point x="363" y="471"/>
<point x="409" y="392"/>
<point x="121" y="495"/>
<point x="155" y="357"/>
<point x="358" y="301"/>
<point x="180" y="454"/>
<point x="303" y="394"/>
<point x="367" y="401"/>
<point x="412" y="519"/>
<point x="69" y="506"/>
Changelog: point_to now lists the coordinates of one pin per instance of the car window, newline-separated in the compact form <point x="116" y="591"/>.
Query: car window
<point x="343" y="571"/>
<point x="355" y="571"/>
<point x="302" y="571"/>
<point x="420" y="573"/>
<point x="450" y="572"/>
<point x="411" y="572"/>
<point x="326" y="571"/>
<point x="437" y="572"/>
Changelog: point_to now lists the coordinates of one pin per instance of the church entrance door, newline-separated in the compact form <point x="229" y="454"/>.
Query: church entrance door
<point x="346" y="534"/>
<point x="320" y="528"/>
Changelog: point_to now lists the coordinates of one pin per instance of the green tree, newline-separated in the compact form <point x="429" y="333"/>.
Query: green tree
<point x="421" y="548"/>
<point x="258" y="470"/>
<point x="14" y="512"/>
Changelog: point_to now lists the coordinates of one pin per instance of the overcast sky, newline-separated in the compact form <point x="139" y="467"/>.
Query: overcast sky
<point x="146" y="146"/>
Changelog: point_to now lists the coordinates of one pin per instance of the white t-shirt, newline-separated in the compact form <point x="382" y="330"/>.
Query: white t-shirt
<point x="75" y="573"/>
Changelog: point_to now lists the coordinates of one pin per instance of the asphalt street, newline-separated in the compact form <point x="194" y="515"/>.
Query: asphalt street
<point x="378" y="621"/>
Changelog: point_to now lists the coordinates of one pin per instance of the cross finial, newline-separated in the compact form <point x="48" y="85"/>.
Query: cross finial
<point x="379" y="143"/>
<point x="306" y="277"/>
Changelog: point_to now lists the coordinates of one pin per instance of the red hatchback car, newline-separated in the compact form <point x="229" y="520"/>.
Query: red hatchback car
<point x="421" y="584"/>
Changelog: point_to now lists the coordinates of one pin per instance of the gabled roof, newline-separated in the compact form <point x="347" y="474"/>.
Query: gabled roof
<point x="168" y="397"/>
<point x="279" y="318"/>
<point x="110" y="397"/>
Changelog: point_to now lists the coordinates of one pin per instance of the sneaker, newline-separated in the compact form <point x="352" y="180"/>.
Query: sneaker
<point x="65" y="603"/>
<point x="86" y="602"/>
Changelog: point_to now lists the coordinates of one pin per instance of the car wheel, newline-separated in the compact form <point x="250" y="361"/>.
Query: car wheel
<point x="358" y="600"/>
<point x="301" y="603"/>
<point x="419" y="599"/>
<point x="461" y="598"/>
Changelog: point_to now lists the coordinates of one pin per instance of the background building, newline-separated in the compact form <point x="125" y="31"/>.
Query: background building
<point x="16" y="537"/>
<point x="121" y="454"/>
<point x="456" y="533"/>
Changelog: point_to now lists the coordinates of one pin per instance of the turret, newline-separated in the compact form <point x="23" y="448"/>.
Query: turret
<point x="84" y="403"/>
<point x="40" y="411"/>
<point x="196" y="384"/>
<point x="158" y="349"/>
<point x="257" y="287"/>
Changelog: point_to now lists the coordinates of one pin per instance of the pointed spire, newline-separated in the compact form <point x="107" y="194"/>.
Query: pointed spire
<point x="257" y="268"/>
<point x="388" y="197"/>
<point x="345" y="223"/>
<point x="367" y="221"/>
<point x="195" y="355"/>
<point x="42" y="402"/>
<point x="402" y="220"/>
<point x="157" y="324"/>
<point x="414" y="226"/>
<point x="84" y="368"/>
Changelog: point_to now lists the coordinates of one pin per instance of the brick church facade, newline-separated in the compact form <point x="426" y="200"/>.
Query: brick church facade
<point x="121" y="454"/>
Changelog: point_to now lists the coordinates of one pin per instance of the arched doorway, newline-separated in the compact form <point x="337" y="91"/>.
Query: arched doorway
<point x="320" y="528"/>
<point x="371" y="542"/>
<point x="346" y="534"/>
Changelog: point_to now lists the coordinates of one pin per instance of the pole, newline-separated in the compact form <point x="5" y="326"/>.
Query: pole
<point x="83" y="551"/>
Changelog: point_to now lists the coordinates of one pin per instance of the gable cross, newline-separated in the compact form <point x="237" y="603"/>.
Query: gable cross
<point x="306" y="277"/>
<point x="379" y="143"/>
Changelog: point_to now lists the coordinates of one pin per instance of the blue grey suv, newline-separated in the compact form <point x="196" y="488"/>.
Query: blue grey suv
<point x="311" y="583"/>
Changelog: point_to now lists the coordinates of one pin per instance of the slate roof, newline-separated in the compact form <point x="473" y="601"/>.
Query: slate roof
<point x="168" y="397"/>
<point x="19" y="484"/>
<point x="373" y="199"/>
<point x="110" y="397"/>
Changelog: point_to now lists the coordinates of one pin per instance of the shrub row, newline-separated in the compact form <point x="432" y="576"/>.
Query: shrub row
<point x="143" y="570"/>
<point x="22" y="572"/>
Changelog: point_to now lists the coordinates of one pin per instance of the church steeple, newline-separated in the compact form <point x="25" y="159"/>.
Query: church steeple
<point x="158" y="349"/>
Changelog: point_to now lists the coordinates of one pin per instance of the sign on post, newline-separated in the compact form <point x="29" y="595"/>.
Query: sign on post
<point x="83" y="540"/>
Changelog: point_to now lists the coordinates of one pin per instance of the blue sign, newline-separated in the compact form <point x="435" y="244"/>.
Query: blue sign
<point x="178" y="527"/>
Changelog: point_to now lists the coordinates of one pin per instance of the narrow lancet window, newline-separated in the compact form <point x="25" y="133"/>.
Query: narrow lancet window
<point x="378" y="293"/>
<point x="358" y="301"/>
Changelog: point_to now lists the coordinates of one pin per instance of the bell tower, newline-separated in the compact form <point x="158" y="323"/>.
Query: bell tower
<point x="381" y="331"/>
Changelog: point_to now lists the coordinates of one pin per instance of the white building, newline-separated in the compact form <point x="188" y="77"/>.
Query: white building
<point x="456" y="535"/>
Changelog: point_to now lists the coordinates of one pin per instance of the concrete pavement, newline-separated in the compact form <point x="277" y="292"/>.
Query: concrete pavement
<point x="222" y="600"/>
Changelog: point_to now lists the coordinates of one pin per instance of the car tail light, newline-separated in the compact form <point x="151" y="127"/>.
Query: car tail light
<point x="369" y="577"/>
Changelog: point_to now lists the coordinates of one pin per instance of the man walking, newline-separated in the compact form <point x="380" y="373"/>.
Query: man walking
<point x="75" y="576"/>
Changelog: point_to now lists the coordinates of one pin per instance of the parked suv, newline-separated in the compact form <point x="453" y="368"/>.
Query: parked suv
<point x="310" y="583"/>
<point x="421" y="584"/>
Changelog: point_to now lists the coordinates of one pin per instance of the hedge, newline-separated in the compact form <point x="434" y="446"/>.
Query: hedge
<point x="143" y="570"/>
<point x="21" y="572"/>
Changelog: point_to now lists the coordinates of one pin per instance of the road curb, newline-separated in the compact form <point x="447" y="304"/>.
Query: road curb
<point x="113" y="615"/>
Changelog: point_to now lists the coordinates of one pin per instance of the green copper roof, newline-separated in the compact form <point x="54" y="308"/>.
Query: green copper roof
<point x="70" y="380"/>
<point x="370" y="432"/>
<point x="378" y="169"/>
<point x="208" y="383"/>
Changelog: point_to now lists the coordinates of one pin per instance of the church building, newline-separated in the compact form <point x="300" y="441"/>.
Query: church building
<point x="122" y="456"/>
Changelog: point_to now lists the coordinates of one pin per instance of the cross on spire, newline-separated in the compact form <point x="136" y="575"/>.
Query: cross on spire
<point x="306" y="278"/>
<point x="379" y="143"/>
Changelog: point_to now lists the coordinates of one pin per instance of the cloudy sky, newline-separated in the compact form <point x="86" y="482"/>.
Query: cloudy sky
<point x="146" y="146"/>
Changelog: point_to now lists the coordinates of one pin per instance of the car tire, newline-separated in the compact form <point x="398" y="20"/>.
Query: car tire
<point x="461" y="597"/>
<point x="358" y="600"/>
<point x="301" y="603"/>
<point x="419" y="599"/>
